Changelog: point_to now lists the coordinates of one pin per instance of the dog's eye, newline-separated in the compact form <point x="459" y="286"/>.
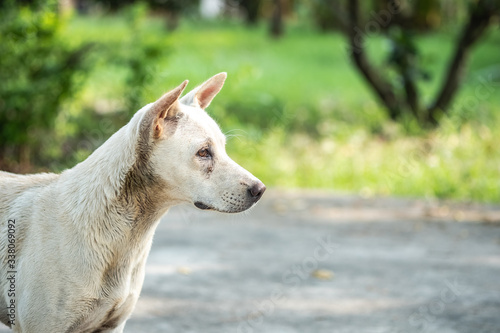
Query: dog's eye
<point x="204" y="152"/>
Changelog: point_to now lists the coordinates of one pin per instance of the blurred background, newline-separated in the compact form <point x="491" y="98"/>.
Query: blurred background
<point x="380" y="97"/>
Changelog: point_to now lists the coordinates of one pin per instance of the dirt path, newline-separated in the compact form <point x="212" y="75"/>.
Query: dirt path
<point x="316" y="262"/>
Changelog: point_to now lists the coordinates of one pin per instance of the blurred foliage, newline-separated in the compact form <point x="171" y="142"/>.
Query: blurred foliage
<point x="138" y="53"/>
<point x="404" y="53"/>
<point x="418" y="15"/>
<point x="294" y="111"/>
<point x="125" y="65"/>
<point x="38" y="71"/>
<point x="171" y="9"/>
<point x="251" y="9"/>
<point x="297" y="115"/>
<point x="114" y="5"/>
<point x="177" y="6"/>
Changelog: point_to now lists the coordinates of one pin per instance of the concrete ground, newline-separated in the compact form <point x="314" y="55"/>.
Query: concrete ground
<point x="319" y="262"/>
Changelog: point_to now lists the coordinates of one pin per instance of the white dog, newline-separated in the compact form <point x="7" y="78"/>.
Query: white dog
<point x="74" y="245"/>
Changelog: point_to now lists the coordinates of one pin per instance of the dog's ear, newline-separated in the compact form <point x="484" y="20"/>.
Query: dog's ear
<point x="204" y="94"/>
<point x="166" y="108"/>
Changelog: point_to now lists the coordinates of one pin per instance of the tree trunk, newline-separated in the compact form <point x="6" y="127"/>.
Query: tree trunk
<point x="381" y="87"/>
<point x="474" y="29"/>
<point x="276" y="24"/>
<point x="252" y="9"/>
<point x="410" y="100"/>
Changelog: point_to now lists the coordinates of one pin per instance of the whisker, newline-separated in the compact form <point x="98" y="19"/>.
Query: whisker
<point x="232" y="133"/>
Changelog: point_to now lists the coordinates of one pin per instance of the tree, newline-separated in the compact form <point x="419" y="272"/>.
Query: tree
<point x="251" y="9"/>
<point x="173" y="9"/>
<point x="276" y="22"/>
<point x="418" y="15"/>
<point x="404" y="59"/>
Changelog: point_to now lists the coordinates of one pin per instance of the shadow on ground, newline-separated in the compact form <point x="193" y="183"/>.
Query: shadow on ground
<point x="318" y="262"/>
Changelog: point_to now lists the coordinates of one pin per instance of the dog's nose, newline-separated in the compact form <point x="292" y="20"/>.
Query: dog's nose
<point x="256" y="190"/>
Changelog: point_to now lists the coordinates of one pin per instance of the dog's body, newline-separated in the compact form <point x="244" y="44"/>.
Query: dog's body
<point x="81" y="239"/>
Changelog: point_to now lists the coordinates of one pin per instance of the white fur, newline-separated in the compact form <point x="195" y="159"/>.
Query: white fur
<point x="82" y="237"/>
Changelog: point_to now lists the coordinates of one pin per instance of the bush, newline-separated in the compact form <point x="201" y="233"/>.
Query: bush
<point x="41" y="75"/>
<point x="37" y="73"/>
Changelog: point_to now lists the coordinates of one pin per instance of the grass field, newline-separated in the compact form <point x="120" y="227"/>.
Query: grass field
<point x="298" y="115"/>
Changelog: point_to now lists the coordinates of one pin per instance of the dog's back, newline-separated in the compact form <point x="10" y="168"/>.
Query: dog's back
<point x="12" y="186"/>
<point x="15" y="194"/>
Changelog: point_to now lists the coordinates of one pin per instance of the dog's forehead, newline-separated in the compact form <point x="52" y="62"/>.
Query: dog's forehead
<point x="199" y="123"/>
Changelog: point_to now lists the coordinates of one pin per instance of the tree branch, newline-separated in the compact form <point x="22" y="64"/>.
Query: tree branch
<point x="381" y="87"/>
<point x="411" y="95"/>
<point x="476" y="26"/>
<point x="339" y="13"/>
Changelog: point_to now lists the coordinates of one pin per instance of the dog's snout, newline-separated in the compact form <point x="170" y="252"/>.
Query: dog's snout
<point x="256" y="190"/>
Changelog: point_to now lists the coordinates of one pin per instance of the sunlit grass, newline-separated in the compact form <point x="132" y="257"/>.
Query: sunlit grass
<point x="458" y="163"/>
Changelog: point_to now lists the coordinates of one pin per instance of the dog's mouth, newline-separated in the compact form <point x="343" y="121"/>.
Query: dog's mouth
<point x="201" y="205"/>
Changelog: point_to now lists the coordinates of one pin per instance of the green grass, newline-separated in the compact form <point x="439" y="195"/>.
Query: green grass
<point x="299" y="115"/>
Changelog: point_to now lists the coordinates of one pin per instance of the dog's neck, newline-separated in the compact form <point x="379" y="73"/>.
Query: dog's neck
<point x="115" y="185"/>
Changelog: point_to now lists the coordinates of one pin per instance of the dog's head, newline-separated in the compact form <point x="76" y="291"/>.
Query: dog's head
<point x="188" y="152"/>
